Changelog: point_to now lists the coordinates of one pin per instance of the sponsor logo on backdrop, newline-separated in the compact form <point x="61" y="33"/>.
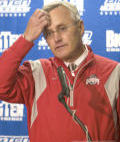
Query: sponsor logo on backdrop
<point x="6" y="40"/>
<point x="79" y="4"/>
<point x="42" y="44"/>
<point x="110" y="7"/>
<point x="14" y="7"/>
<point x="112" y="41"/>
<point x="11" y="112"/>
<point x="14" y="139"/>
<point x="87" y="39"/>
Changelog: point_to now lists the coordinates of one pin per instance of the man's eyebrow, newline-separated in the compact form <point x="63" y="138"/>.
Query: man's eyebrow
<point x="60" y="25"/>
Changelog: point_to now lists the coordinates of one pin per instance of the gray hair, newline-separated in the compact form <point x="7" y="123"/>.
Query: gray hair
<point x="72" y="8"/>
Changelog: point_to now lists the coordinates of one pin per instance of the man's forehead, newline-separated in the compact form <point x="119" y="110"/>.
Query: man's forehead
<point x="60" y="14"/>
<point x="50" y="27"/>
<point x="55" y="25"/>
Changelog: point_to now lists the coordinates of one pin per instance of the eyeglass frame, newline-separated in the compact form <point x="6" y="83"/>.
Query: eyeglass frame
<point x="61" y="30"/>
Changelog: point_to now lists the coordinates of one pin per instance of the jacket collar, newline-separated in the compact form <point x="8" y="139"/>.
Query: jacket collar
<point x="90" y="57"/>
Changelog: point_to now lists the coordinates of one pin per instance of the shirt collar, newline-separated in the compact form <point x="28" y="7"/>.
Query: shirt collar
<point x="79" y="60"/>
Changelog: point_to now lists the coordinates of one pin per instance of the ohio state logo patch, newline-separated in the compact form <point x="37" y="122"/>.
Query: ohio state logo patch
<point x="92" y="80"/>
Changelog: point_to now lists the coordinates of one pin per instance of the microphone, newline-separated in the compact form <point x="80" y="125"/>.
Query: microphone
<point x="66" y="92"/>
<point x="62" y="77"/>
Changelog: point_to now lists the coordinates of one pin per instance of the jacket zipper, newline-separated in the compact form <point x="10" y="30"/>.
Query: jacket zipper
<point x="71" y="87"/>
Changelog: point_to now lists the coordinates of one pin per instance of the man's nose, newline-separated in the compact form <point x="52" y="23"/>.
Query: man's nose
<point x="57" y="36"/>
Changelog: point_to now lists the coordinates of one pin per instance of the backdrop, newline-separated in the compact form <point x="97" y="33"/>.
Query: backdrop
<point x="102" y="32"/>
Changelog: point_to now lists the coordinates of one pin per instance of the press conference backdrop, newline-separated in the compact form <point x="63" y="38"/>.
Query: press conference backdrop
<point x="102" y="33"/>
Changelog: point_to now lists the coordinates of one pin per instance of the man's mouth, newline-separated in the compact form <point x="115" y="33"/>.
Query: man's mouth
<point x="60" y="46"/>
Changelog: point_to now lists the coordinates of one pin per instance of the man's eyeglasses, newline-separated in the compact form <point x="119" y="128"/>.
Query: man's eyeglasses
<point x="60" y="30"/>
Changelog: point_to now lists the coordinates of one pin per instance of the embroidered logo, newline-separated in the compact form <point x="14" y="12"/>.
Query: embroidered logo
<point x="92" y="80"/>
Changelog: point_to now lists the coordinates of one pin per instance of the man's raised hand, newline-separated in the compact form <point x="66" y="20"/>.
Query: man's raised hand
<point x="36" y="24"/>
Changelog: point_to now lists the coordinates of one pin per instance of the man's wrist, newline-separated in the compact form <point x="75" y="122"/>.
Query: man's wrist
<point x="23" y="35"/>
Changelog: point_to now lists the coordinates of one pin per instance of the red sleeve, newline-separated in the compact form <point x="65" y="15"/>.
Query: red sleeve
<point x="15" y="80"/>
<point x="118" y="111"/>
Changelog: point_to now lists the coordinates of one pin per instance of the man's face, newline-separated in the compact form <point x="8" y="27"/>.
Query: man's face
<point x="64" y="35"/>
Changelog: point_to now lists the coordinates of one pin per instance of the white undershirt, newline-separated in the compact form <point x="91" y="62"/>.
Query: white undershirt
<point x="79" y="60"/>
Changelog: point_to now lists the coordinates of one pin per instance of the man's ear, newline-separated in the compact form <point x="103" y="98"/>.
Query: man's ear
<point x="81" y="27"/>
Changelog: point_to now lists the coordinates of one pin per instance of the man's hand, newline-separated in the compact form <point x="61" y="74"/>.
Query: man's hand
<point x="36" y="24"/>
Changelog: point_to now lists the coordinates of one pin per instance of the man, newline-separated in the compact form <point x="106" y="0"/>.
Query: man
<point x="94" y="84"/>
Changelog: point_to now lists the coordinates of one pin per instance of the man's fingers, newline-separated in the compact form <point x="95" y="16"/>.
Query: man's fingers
<point x="38" y="21"/>
<point x="39" y="13"/>
<point x="35" y="12"/>
<point x="45" y="18"/>
<point x="44" y="21"/>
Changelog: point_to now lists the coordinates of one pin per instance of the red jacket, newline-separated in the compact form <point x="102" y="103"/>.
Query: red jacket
<point x="96" y="99"/>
